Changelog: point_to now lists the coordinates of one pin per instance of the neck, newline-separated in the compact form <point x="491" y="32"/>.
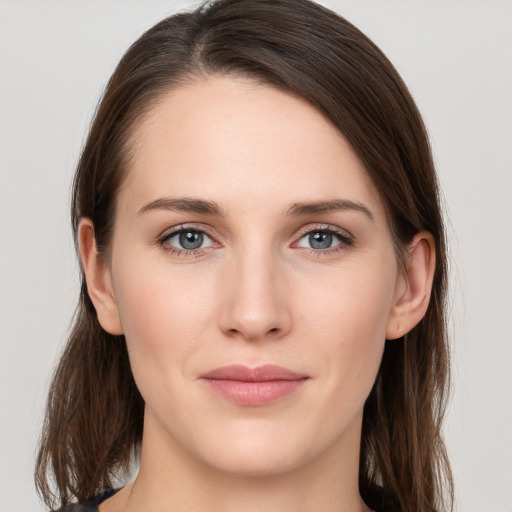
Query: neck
<point x="170" y="479"/>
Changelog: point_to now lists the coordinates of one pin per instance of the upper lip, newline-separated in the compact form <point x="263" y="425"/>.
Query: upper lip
<point x="243" y="373"/>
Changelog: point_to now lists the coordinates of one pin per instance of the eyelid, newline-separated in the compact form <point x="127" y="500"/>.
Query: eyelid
<point x="171" y="232"/>
<point x="200" y="228"/>
<point x="311" y="228"/>
<point x="346" y="238"/>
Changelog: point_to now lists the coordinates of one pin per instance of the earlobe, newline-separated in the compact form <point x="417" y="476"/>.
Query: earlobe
<point x="99" y="283"/>
<point x="415" y="286"/>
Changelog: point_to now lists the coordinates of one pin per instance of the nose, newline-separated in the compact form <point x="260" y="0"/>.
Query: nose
<point x="256" y="300"/>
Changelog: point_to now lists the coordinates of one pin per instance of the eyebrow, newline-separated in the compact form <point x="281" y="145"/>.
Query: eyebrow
<point x="184" y="204"/>
<point x="206" y="207"/>
<point x="305" y="208"/>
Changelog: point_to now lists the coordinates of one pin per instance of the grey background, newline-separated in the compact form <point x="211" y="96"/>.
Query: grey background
<point x="455" y="55"/>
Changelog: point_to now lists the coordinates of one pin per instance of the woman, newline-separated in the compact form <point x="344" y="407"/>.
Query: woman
<point x="261" y="324"/>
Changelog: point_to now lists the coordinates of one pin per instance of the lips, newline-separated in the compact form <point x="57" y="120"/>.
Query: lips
<point x="253" y="386"/>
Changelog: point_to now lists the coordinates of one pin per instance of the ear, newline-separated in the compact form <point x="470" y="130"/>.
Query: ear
<point x="414" y="286"/>
<point x="98" y="278"/>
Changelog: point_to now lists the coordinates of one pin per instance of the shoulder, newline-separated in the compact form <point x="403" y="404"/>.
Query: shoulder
<point x="89" y="505"/>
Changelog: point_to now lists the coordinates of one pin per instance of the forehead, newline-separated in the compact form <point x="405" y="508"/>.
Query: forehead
<point x="230" y="139"/>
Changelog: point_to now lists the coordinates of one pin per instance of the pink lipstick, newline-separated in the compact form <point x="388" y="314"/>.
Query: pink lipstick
<point x="254" y="386"/>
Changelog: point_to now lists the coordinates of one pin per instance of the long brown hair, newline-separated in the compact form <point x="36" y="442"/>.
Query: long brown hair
<point x="94" y="418"/>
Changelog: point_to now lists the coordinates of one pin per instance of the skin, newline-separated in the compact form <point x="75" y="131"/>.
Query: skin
<point x="256" y="293"/>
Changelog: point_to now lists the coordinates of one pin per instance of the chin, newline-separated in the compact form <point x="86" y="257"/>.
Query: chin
<point x="257" y="448"/>
<point x="252" y="460"/>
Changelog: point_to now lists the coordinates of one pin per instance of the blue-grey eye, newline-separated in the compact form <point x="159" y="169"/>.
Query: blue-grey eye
<point x="320" y="240"/>
<point x="189" y="240"/>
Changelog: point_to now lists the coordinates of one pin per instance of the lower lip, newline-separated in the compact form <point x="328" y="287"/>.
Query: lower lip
<point x="254" y="393"/>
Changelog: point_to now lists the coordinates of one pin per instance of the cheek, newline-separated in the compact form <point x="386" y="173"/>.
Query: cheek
<point x="163" y="315"/>
<point x="355" y="302"/>
<point x="348" y="319"/>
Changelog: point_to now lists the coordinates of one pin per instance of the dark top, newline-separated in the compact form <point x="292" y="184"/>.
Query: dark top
<point x="378" y="501"/>
<point x="90" y="505"/>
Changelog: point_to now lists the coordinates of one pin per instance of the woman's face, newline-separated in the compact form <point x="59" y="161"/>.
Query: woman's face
<point x="248" y="233"/>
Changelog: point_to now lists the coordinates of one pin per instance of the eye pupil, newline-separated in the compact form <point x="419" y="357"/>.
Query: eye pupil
<point x="320" y="240"/>
<point x="191" y="239"/>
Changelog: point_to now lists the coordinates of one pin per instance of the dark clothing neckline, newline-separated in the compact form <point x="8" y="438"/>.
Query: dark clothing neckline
<point x="378" y="500"/>
<point x="92" y="504"/>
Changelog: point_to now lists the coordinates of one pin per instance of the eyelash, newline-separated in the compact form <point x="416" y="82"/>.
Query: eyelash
<point x="163" y="241"/>
<point x="345" y="239"/>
